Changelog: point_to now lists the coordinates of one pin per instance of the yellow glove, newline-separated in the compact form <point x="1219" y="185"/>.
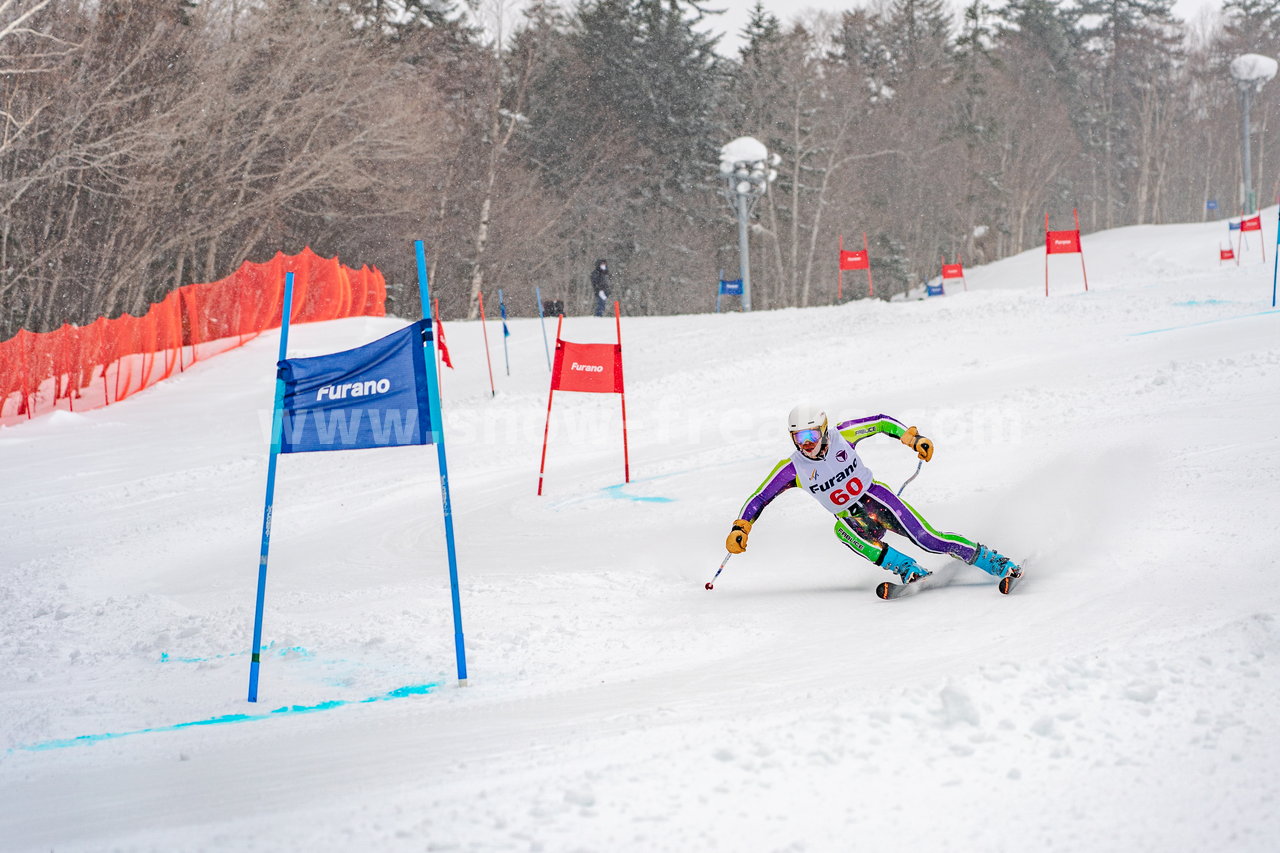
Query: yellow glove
<point x="737" y="541"/>
<point x="917" y="442"/>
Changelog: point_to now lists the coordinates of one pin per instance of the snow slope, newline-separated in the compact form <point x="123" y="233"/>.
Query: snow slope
<point x="1125" y="440"/>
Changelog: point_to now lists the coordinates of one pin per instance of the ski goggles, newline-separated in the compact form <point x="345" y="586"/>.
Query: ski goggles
<point x="806" y="436"/>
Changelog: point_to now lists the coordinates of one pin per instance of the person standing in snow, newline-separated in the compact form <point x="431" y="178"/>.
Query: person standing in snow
<point x="826" y="465"/>
<point x="600" y="286"/>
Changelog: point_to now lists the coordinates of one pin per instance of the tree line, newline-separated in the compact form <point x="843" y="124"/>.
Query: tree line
<point x="148" y="144"/>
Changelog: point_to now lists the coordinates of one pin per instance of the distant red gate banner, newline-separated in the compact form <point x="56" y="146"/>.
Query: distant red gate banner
<point x="1227" y="255"/>
<point x="854" y="261"/>
<point x="593" y="369"/>
<point x="1063" y="243"/>
<point x="1243" y="227"/>
<point x="956" y="270"/>
<point x="1253" y="223"/>
<point x="109" y="359"/>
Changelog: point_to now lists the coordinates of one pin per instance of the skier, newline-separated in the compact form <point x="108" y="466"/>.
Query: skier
<point x="600" y="283"/>
<point x="826" y="465"/>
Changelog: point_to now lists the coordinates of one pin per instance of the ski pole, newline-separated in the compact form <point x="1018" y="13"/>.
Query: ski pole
<point x="711" y="583"/>
<point x="912" y="477"/>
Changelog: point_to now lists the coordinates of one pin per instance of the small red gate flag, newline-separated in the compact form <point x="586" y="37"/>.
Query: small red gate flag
<point x="1062" y="242"/>
<point x="952" y="271"/>
<point x="595" y="368"/>
<point x="854" y="260"/>
<point x="444" y="348"/>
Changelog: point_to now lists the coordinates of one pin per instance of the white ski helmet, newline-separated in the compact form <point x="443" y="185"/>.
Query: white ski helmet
<point x="808" y="426"/>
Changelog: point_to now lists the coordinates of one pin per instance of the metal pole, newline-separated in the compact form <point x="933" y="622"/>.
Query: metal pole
<point x="1076" y="214"/>
<point x="506" y="353"/>
<point x="277" y="437"/>
<point x="1246" y="100"/>
<point x="551" y="396"/>
<point x="626" y="454"/>
<point x="437" y="438"/>
<point x="744" y="253"/>
<point x="840" y="271"/>
<point x="1275" y="268"/>
<point x="493" y="392"/>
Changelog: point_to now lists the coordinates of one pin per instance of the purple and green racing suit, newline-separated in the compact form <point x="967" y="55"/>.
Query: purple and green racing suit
<point x="864" y="507"/>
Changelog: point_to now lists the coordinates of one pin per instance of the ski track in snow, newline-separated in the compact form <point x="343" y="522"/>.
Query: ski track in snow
<point x="1125" y="442"/>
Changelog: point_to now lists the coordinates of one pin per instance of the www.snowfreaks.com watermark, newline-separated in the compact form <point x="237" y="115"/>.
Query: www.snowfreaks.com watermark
<point x="345" y="427"/>
<point x="670" y="424"/>
<point x="599" y="423"/>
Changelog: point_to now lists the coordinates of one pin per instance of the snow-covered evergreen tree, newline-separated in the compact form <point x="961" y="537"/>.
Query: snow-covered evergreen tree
<point x="918" y="35"/>
<point x="1134" y="51"/>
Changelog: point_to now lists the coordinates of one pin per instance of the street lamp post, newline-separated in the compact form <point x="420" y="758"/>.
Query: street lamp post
<point x="1250" y="72"/>
<point x="747" y="170"/>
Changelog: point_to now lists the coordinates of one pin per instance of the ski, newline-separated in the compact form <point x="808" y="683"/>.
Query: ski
<point x="889" y="590"/>
<point x="1008" y="582"/>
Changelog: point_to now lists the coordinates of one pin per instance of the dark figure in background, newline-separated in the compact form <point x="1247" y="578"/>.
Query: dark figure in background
<point x="600" y="286"/>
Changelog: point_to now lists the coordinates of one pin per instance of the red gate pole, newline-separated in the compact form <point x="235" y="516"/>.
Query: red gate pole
<point x="435" y="317"/>
<point x="546" y="430"/>
<point x="492" y="391"/>
<point x="1046" y="255"/>
<point x="1076" y="214"/>
<point x="840" y="271"/>
<point x="626" y="455"/>
<point x="866" y="250"/>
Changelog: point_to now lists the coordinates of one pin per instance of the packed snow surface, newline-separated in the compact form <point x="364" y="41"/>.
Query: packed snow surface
<point x="1124" y="442"/>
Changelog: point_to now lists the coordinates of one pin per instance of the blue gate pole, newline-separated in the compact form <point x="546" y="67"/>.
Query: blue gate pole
<point x="1276" y="265"/>
<point x="277" y="432"/>
<point x="502" y="309"/>
<point x="537" y="292"/>
<point x="437" y="437"/>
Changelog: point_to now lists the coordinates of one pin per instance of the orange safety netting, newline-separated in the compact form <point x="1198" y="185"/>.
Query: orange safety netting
<point x="107" y="360"/>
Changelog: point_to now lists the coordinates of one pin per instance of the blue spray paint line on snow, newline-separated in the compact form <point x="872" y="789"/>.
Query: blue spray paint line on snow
<point x="1191" y="303"/>
<point x="615" y="491"/>
<point x="1204" y="323"/>
<point x="165" y="657"/>
<point x="88" y="740"/>
<point x="618" y="493"/>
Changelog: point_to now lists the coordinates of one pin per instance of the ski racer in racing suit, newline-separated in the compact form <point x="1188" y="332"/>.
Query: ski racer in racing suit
<point x="827" y="466"/>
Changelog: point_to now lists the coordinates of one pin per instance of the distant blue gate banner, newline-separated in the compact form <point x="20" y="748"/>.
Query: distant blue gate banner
<point x="1233" y="226"/>
<point x="731" y="287"/>
<point x="370" y="396"/>
<point x="934" y="290"/>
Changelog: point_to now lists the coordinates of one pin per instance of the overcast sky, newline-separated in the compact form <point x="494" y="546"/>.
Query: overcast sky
<point x="737" y="13"/>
